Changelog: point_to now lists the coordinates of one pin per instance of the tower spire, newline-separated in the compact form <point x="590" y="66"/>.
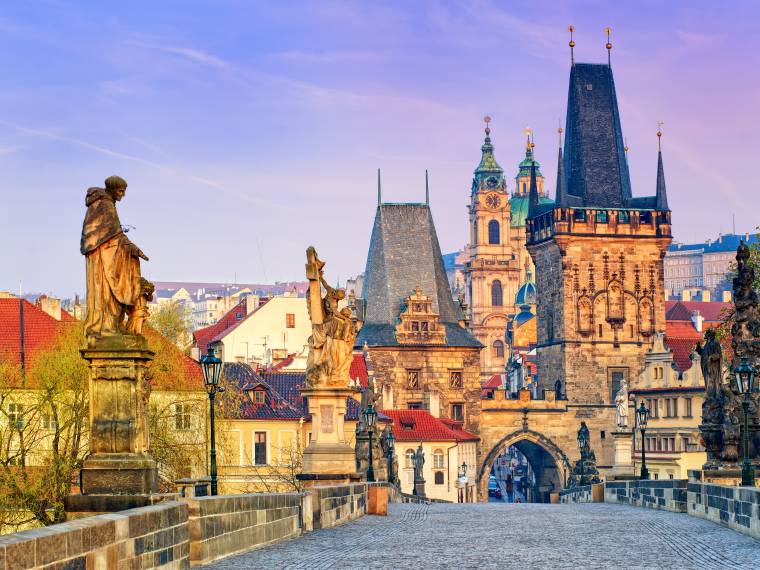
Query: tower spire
<point x="427" y="189"/>
<point x="662" y="195"/>
<point x="533" y="197"/>
<point x="608" y="31"/>
<point x="560" y="193"/>
<point x="571" y="29"/>
<point x="379" y="193"/>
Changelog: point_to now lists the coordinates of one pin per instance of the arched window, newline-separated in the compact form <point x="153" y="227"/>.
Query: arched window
<point x="438" y="459"/>
<point x="493" y="232"/>
<point x="524" y="190"/>
<point x="497" y="298"/>
<point x="409" y="464"/>
<point x="498" y="349"/>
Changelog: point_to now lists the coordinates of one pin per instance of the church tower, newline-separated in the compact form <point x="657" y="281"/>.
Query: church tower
<point x="492" y="272"/>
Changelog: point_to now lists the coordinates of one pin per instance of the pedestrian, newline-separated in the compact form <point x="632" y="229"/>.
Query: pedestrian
<point x="510" y="489"/>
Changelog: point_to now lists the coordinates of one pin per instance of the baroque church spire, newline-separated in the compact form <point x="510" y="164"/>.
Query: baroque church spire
<point x="662" y="195"/>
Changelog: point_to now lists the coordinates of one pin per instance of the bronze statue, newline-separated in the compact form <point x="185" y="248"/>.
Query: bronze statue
<point x="114" y="284"/>
<point x="333" y="332"/>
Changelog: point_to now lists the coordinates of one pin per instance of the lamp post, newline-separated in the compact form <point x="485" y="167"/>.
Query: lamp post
<point x="390" y="441"/>
<point x="462" y="480"/>
<point x="212" y="373"/>
<point x="745" y="381"/>
<point x="642" y="415"/>
<point x="370" y="417"/>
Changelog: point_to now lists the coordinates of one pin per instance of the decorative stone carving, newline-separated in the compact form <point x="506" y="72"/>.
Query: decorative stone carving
<point x="585" y="471"/>
<point x="333" y="331"/>
<point x="419" y="324"/>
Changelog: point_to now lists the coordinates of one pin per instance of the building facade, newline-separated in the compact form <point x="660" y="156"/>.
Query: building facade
<point x="411" y="329"/>
<point x="497" y="261"/>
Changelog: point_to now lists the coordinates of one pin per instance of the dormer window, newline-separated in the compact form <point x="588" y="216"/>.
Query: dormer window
<point x="259" y="396"/>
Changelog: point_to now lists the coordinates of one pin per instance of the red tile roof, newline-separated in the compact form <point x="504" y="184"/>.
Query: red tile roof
<point x="420" y="425"/>
<point x="40" y="329"/>
<point x="493" y="382"/>
<point x="204" y="336"/>
<point x="711" y="311"/>
<point x="358" y="370"/>
<point x="681" y="337"/>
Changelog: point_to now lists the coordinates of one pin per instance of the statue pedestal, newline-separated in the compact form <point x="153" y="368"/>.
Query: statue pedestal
<point x="119" y="469"/>
<point x="623" y="466"/>
<point x="419" y="488"/>
<point x="328" y="458"/>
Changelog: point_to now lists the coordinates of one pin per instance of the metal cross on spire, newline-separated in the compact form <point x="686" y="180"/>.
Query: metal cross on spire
<point x="487" y="120"/>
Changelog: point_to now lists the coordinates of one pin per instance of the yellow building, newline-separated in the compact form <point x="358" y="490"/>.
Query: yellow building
<point x="674" y="394"/>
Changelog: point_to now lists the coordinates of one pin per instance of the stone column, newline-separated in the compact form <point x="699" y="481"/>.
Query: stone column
<point x="119" y="472"/>
<point x="328" y="457"/>
<point x="623" y="466"/>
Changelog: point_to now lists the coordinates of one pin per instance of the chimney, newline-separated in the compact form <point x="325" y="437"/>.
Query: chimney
<point x="705" y="296"/>
<point x="727" y="296"/>
<point x="697" y="319"/>
<point x="685" y="295"/>
<point x="51" y="306"/>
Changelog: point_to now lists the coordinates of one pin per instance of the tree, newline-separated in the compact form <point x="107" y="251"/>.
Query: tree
<point x="172" y="320"/>
<point x="43" y="431"/>
<point x="280" y="476"/>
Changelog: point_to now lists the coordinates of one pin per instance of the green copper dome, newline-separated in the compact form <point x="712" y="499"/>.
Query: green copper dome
<point x="519" y="211"/>
<point x="527" y="162"/>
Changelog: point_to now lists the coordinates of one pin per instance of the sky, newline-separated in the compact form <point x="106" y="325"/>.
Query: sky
<point x="250" y="130"/>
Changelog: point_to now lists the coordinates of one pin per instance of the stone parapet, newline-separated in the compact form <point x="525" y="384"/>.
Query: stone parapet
<point x="737" y="508"/>
<point x="148" y="537"/>
<point x="337" y="504"/>
<point x="668" y="494"/>
<point x="228" y="524"/>
<point x="583" y="494"/>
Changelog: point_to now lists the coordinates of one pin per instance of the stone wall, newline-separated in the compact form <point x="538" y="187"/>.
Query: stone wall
<point x="224" y="525"/>
<point x="583" y="494"/>
<point x="148" y="537"/>
<point x="338" y="504"/>
<point x="735" y="507"/>
<point x="667" y="494"/>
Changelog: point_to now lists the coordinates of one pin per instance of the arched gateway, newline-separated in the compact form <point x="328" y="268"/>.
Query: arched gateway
<point x="549" y="463"/>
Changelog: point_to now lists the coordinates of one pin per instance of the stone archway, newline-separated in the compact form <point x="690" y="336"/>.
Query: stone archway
<point x="550" y="463"/>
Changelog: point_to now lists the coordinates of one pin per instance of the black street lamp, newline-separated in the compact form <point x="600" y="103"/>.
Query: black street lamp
<point x="745" y="381"/>
<point x="370" y="417"/>
<point x="212" y="373"/>
<point x="390" y="441"/>
<point x="642" y="415"/>
<point x="464" y="469"/>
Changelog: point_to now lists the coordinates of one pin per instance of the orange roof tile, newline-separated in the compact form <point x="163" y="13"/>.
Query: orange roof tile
<point x="420" y="425"/>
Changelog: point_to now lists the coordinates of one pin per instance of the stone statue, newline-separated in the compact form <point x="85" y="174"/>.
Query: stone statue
<point x="621" y="401"/>
<point x="418" y="460"/>
<point x="332" y="331"/>
<point x="711" y="361"/>
<point x="585" y="471"/>
<point x="115" y="288"/>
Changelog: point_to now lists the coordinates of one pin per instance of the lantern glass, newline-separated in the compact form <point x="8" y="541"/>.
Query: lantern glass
<point x="212" y="369"/>
<point x="391" y="438"/>
<point x="642" y="414"/>
<point x="745" y="376"/>
<point x="464" y="468"/>
<point x="370" y="416"/>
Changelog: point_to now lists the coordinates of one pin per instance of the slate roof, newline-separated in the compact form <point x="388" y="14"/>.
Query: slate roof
<point x="420" y="425"/>
<point x="724" y="243"/>
<point x="404" y="253"/>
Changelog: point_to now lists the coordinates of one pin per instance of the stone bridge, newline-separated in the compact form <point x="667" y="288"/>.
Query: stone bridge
<point x="521" y="536"/>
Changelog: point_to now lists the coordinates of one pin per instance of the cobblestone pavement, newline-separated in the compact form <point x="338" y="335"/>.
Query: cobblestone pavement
<point x="525" y="536"/>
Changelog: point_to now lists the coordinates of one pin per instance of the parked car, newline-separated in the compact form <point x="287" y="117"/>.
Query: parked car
<point x="493" y="488"/>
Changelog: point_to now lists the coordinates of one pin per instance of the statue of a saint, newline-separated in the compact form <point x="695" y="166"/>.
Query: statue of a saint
<point x="418" y="460"/>
<point x="621" y="403"/>
<point x="115" y="290"/>
<point x="333" y="331"/>
<point x="711" y="358"/>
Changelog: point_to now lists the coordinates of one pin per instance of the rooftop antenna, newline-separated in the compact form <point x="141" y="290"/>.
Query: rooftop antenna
<point x="379" y="193"/>
<point x="608" y="31"/>
<point x="427" y="189"/>
<point x="571" y="29"/>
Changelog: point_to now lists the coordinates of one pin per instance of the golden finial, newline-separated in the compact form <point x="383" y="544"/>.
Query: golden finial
<point x="571" y="29"/>
<point x="528" y="133"/>
<point x="487" y="120"/>
<point x="559" y="132"/>
<point x="659" y="135"/>
<point x="625" y="142"/>
<point x="608" y="31"/>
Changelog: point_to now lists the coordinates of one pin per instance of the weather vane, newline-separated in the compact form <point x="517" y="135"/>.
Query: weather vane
<point x="487" y="120"/>
<point x="608" y="31"/>
<point x="659" y="134"/>
<point x="571" y="29"/>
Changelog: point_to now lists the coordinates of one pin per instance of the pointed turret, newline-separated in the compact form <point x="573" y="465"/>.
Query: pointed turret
<point x="662" y="195"/>
<point x="379" y="193"/>
<point x="533" y="197"/>
<point x="560" y="196"/>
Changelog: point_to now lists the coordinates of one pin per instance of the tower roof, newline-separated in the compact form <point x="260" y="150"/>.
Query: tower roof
<point x="528" y="161"/>
<point x="488" y="164"/>
<point x="403" y="254"/>
<point x="596" y="172"/>
<point x="662" y="194"/>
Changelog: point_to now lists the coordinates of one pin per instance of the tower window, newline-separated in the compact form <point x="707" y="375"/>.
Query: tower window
<point x="497" y="297"/>
<point x="498" y="349"/>
<point x="494" y="232"/>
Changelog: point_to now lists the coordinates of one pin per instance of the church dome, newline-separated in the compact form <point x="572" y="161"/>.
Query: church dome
<point x="519" y="209"/>
<point x="526" y="294"/>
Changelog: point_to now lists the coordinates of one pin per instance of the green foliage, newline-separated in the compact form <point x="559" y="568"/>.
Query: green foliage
<point x="173" y="321"/>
